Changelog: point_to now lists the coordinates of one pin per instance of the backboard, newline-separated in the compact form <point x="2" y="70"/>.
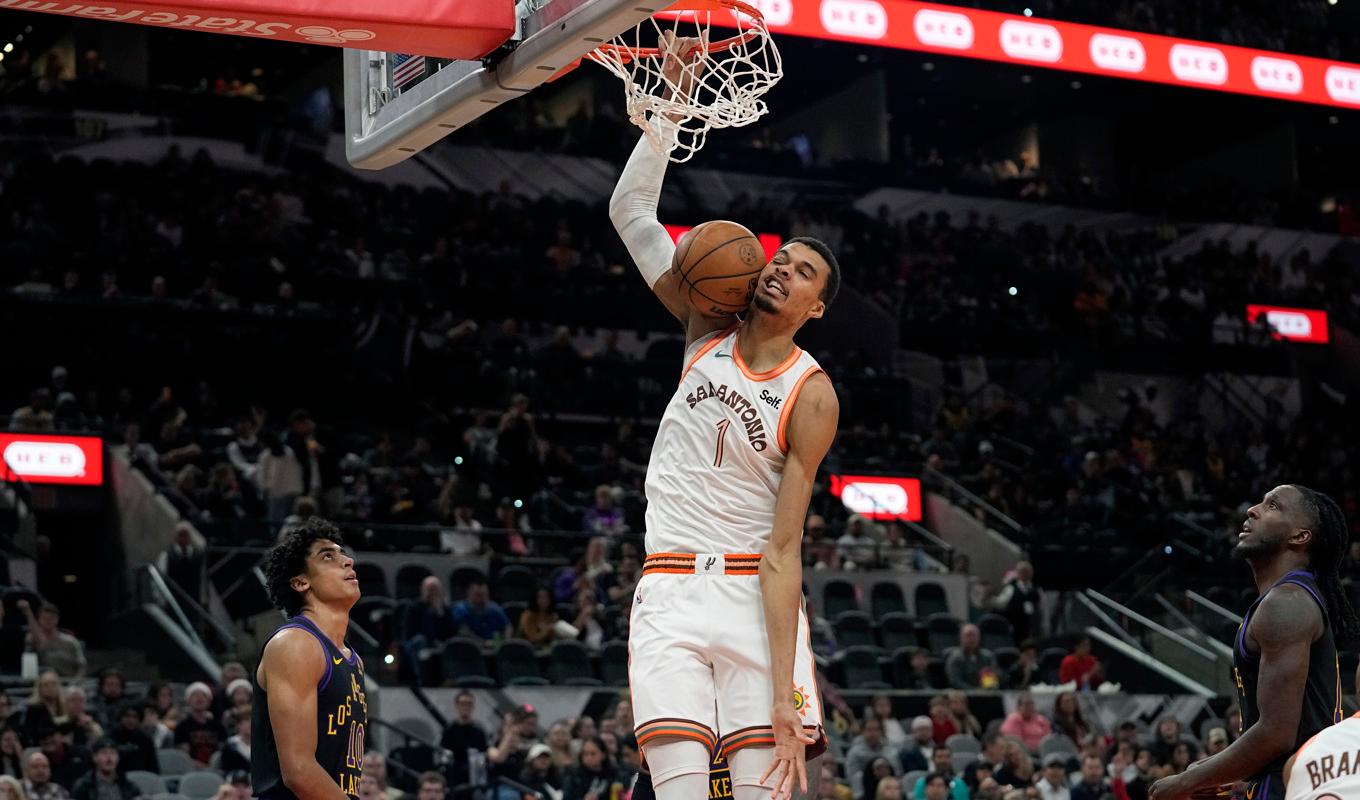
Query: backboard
<point x="398" y="104"/>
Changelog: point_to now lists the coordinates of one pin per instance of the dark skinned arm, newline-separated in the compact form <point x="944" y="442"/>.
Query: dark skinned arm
<point x="289" y="672"/>
<point x="1284" y="628"/>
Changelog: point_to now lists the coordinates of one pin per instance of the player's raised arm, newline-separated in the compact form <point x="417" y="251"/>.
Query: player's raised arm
<point x="292" y="666"/>
<point x="1285" y="626"/>
<point x="812" y="427"/>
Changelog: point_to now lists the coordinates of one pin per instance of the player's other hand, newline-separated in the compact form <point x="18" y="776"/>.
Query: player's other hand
<point x="788" y="766"/>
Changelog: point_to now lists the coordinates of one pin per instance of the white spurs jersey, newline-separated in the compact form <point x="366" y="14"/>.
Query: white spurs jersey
<point x="720" y="450"/>
<point x="1328" y="766"/>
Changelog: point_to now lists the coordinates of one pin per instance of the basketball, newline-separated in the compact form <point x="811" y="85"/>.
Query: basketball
<point x="718" y="263"/>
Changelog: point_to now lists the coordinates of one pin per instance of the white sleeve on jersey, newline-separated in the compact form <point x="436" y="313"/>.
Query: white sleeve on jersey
<point x="632" y="208"/>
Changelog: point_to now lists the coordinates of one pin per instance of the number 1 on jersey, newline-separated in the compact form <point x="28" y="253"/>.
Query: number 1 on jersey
<point x="722" y="434"/>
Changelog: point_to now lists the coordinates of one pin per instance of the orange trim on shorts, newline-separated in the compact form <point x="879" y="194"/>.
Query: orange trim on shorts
<point x="785" y="414"/>
<point x="683" y="563"/>
<point x="771" y="374"/>
<point x="674" y="727"/>
<point x="712" y="343"/>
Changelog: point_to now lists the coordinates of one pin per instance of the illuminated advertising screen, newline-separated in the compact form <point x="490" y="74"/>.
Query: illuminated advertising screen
<point x="769" y="242"/>
<point x="39" y="458"/>
<point x="1292" y="324"/>
<point x="879" y="496"/>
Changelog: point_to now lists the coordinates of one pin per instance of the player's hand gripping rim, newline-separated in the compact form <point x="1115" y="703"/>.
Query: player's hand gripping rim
<point x="789" y="765"/>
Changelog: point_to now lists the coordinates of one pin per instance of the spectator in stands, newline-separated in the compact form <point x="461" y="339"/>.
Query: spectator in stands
<point x="1168" y="736"/>
<point x="56" y="649"/>
<point x="1232" y="721"/>
<point x="200" y="733"/>
<point x="572" y="578"/>
<point x="617" y="586"/>
<point x="941" y="720"/>
<point x="11" y="788"/>
<point x="934" y="787"/>
<point x="964" y="721"/>
<point x="83" y="728"/>
<point x="280" y="478"/>
<point x="1052" y="784"/>
<point x="244" y="451"/>
<point x="942" y="764"/>
<point x="919" y="677"/>
<point x="69" y="762"/>
<point x="375" y="766"/>
<point x="519" y="731"/>
<point x="238" y="692"/>
<point x="1093" y="785"/>
<point x="105" y="782"/>
<point x="430" y="621"/>
<point x="881" y="707"/>
<point x="1026" y="724"/>
<point x="857" y="547"/>
<point x="874" y="773"/>
<point x="463" y="736"/>
<point x="539" y="773"/>
<point x="36" y="417"/>
<point x="990" y="760"/>
<point x="819" y="550"/>
<point x="11" y="753"/>
<point x="432" y="787"/>
<point x="182" y="562"/>
<point x="1018" y="600"/>
<point x="869" y="745"/>
<point x="589" y="621"/>
<point x="968" y="666"/>
<point x="537" y="623"/>
<point x="480" y="616"/>
<point x="1216" y="742"/>
<point x="38" y="783"/>
<point x="559" y="741"/>
<point x="594" y="776"/>
<point x="109" y="700"/>
<point x="162" y="714"/>
<point x="46" y="705"/>
<point x="1068" y="719"/>
<point x="604" y="518"/>
<point x="915" y="756"/>
<point x="1080" y="667"/>
<point x="137" y="750"/>
<point x="1017" y="767"/>
<point x="889" y="788"/>
<point x="235" y="753"/>
<point x="1182" y="755"/>
<point x="1025" y="670"/>
<point x="462" y="532"/>
<point x="369" y="788"/>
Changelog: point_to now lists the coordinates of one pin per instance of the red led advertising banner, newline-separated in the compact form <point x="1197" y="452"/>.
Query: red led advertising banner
<point x="1295" y="324"/>
<point x="878" y="496"/>
<point x="769" y="242"/>
<point x="970" y="33"/>
<point x="38" y="458"/>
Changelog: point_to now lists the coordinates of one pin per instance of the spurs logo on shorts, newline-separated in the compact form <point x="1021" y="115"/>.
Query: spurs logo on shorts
<point x="711" y="486"/>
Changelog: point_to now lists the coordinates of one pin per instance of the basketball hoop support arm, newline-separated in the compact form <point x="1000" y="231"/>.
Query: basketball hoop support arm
<point x="381" y="131"/>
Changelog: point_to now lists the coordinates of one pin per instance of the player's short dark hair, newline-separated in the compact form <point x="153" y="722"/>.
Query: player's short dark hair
<point x="833" y="278"/>
<point x="288" y="559"/>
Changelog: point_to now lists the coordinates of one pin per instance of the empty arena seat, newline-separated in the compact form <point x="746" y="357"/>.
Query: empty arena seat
<point x="942" y="632"/>
<point x="838" y="596"/>
<point x="375" y="616"/>
<point x="513" y="611"/>
<point x="853" y="629"/>
<point x="569" y="664"/>
<point x="929" y="598"/>
<point x="516" y="584"/>
<point x="910" y="780"/>
<point x="963" y="743"/>
<point x="1050" y="659"/>
<point x="1006" y="657"/>
<point x="860" y="669"/>
<point x="996" y="631"/>
<point x="897" y="630"/>
<point x="886" y="598"/>
<point x="517" y="664"/>
<point x="462" y="664"/>
<point x="409" y="578"/>
<point x="372" y="580"/>
<point x="199" y="785"/>
<point x="148" y="782"/>
<point x="174" y="762"/>
<point x="463" y="577"/>
<point x="614" y="663"/>
<point x="416" y="758"/>
<point x="166" y="796"/>
<point x="1056" y="743"/>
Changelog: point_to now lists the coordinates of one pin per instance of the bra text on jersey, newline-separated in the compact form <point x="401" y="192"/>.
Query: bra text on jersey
<point x="746" y="412"/>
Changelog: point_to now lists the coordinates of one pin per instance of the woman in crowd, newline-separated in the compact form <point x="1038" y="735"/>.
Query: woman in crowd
<point x="162" y="697"/>
<point x="1068" y="719"/>
<point x="11" y="788"/>
<point x="581" y="730"/>
<point x="942" y="720"/>
<point x="593" y="776"/>
<point x="536" y="623"/>
<point x="963" y="716"/>
<point x="11" y="753"/>
<point x="46" y="707"/>
<point x="875" y="771"/>
<point x="559" y="739"/>
<point x="589" y="619"/>
<point x="239" y="693"/>
<point x="881" y="708"/>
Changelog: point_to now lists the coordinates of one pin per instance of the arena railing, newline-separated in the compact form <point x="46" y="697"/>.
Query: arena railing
<point x="956" y="492"/>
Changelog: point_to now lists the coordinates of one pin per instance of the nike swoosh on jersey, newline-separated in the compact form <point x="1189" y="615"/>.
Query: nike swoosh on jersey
<point x="337" y="660"/>
<point x="722" y="355"/>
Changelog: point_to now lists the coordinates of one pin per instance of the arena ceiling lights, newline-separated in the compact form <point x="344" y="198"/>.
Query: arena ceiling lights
<point x="1025" y="41"/>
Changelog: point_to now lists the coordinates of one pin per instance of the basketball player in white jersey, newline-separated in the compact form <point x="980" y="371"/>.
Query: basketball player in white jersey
<point x="1327" y="767"/>
<point x="719" y="654"/>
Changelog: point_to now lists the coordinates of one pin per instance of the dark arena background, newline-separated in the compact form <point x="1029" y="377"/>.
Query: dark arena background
<point x="1090" y="316"/>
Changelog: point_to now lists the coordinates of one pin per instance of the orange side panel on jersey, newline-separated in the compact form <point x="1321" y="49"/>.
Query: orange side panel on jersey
<point x="781" y="433"/>
<point x="712" y="343"/>
<point x="462" y="29"/>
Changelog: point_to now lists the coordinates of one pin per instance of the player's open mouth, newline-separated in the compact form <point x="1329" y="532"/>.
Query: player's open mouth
<point x="773" y="286"/>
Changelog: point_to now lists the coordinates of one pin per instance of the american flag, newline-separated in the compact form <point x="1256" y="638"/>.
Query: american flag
<point x="406" y="68"/>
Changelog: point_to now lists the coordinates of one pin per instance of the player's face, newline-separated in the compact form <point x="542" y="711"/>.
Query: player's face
<point x="791" y="284"/>
<point x="330" y="574"/>
<point x="1271" y="523"/>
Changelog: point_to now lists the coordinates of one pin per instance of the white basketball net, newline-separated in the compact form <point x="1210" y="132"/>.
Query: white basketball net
<point x="726" y="81"/>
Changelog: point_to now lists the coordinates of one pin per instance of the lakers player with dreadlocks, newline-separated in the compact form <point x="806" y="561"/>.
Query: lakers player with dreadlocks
<point x="1288" y="676"/>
